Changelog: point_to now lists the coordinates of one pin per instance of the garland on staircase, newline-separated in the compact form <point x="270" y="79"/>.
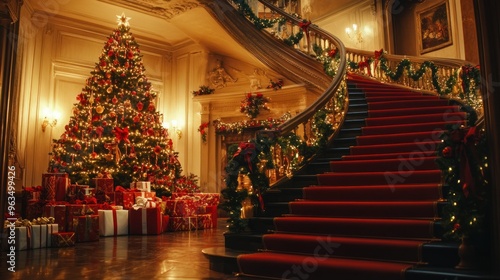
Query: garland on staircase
<point x="462" y="157"/>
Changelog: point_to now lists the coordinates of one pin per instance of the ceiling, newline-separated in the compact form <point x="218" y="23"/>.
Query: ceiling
<point x="174" y="23"/>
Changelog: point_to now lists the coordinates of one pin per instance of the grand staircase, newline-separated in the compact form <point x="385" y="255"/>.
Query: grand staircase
<point x="369" y="206"/>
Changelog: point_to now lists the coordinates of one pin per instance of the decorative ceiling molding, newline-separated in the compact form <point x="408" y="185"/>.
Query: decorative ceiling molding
<point x="166" y="9"/>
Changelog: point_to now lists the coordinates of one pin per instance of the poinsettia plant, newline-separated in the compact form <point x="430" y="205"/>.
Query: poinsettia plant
<point x="202" y="129"/>
<point x="253" y="103"/>
<point x="204" y="90"/>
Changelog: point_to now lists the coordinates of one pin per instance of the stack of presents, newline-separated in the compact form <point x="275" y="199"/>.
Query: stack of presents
<point x="59" y="214"/>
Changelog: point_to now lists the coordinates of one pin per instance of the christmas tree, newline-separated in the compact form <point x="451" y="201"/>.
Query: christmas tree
<point x="115" y="130"/>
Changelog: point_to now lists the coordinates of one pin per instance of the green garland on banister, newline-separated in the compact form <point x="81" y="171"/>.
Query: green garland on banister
<point x="246" y="161"/>
<point x="462" y="157"/>
<point x="415" y="75"/>
<point x="260" y="23"/>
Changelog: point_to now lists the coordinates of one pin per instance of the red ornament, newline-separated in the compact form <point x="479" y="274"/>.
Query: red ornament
<point x="77" y="146"/>
<point x="140" y="106"/>
<point x="157" y="149"/>
<point x="151" y="107"/>
<point x="137" y="118"/>
<point x="114" y="100"/>
<point x="130" y="55"/>
<point x="133" y="93"/>
<point x="447" y="152"/>
<point x="93" y="155"/>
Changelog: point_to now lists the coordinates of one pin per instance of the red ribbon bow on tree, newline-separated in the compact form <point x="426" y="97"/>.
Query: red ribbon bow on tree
<point x="121" y="134"/>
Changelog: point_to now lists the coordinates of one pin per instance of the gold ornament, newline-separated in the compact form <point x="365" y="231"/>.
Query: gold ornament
<point x="99" y="109"/>
<point x="109" y="157"/>
<point x="127" y="104"/>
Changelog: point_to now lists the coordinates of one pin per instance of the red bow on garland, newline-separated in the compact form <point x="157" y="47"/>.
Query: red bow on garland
<point x="247" y="150"/>
<point x="378" y="55"/>
<point x="121" y="134"/>
<point x="365" y="64"/>
<point x="465" y="148"/>
<point x="304" y="25"/>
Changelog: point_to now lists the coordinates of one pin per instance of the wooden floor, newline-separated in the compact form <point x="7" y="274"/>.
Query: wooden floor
<point x="172" y="255"/>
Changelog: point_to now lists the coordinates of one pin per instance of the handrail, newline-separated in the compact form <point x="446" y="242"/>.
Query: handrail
<point x="329" y="40"/>
<point x="451" y="78"/>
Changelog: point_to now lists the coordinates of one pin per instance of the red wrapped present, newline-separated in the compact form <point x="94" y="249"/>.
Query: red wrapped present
<point x="180" y="207"/>
<point x="34" y="209"/>
<point x="151" y="195"/>
<point x="165" y="223"/>
<point x="63" y="239"/>
<point x="124" y="197"/>
<point x="113" y="222"/>
<point x="54" y="186"/>
<point x="204" y="221"/>
<point x="143" y="186"/>
<point x="74" y="210"/>
<point x="58" y="212"/>
<point x="107" y="185"/>
<point x="144" y="221"/>
<point x="183" y="223"/>
<point x="86" y="228"/>
<point x="201" y="198"/>
<point x="31" y="193"/>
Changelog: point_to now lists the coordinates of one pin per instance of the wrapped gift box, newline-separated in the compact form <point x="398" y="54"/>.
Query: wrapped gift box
<point x="204" y="221"/>
<point x="113" y="222"/>
<point x="107" y="185"/>
<point x="183" y="223"/>
<point x="34" y="209"/>
<point x="50" y="229"/>
<point x="23" y="238"/>
<point x="86" y="228"/>
<point x="31" y="193"/>
<point x="151" y="195"/>
<point x="201" y="198"/>
<point x="58" y="211"/>
<point x="54" y="186"/>
<point x="63" y="239"/>
<point x="144" y="221"/>
<point x="75" y="192"/>
<point x="143" y="186"/>
<point x="125" y="199"/>
<point x="165" y="223"/>
<point x="180" y="208"/>
<point x="212" y="210"/>
<point x="74" y="210"/>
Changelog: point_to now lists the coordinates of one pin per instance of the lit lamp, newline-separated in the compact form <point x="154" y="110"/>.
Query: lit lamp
<point x="175" y="128"/>
<point x="354" y="33"/>
<point x="49" y="118"/>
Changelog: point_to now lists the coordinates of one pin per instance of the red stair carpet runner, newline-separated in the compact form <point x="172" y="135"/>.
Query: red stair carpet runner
<point x="370" y="215"/>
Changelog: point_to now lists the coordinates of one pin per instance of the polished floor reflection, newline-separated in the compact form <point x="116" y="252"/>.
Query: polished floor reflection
<point x="172" y="255"/>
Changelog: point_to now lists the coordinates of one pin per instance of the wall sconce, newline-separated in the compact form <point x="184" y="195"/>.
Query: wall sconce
<point x="175" y="128"/>
<point x="49" y="118"/>
<point x="354" y="34"/>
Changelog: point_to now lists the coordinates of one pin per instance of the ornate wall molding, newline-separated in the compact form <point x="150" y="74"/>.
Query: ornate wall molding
<point x="166" y="9"/>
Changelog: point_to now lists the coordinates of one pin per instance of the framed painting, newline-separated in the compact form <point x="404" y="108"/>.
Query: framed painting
<point x="433" y="25"/>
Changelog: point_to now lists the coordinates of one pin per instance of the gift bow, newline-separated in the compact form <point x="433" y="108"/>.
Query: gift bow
<point x="465" y="146"/>
<point x="121" y="134"/>
<point x="143" y="202"/>
<point x="247" y="150"/>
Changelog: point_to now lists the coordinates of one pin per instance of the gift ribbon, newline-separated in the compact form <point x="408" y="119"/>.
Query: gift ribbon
<point x="144" y="221"/>
<point x="115" y="222"/>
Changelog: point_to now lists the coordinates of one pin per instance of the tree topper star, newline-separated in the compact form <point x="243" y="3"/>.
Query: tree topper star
<point x="123" y="20"/>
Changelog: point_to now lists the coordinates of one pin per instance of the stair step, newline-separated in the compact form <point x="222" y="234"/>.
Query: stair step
<point x="384" y="165"/>
<point x="399" y="138"/>
<point x="413" y="111"/>
<point x="419" y="118"/>
<point x="406" y="128"/>
<point x="366" y="209"/>
<point x="243" y="241"/>
<point x="402" y="192"/>
<point x="395" y="148"/>
<point x="406" y="104"/>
